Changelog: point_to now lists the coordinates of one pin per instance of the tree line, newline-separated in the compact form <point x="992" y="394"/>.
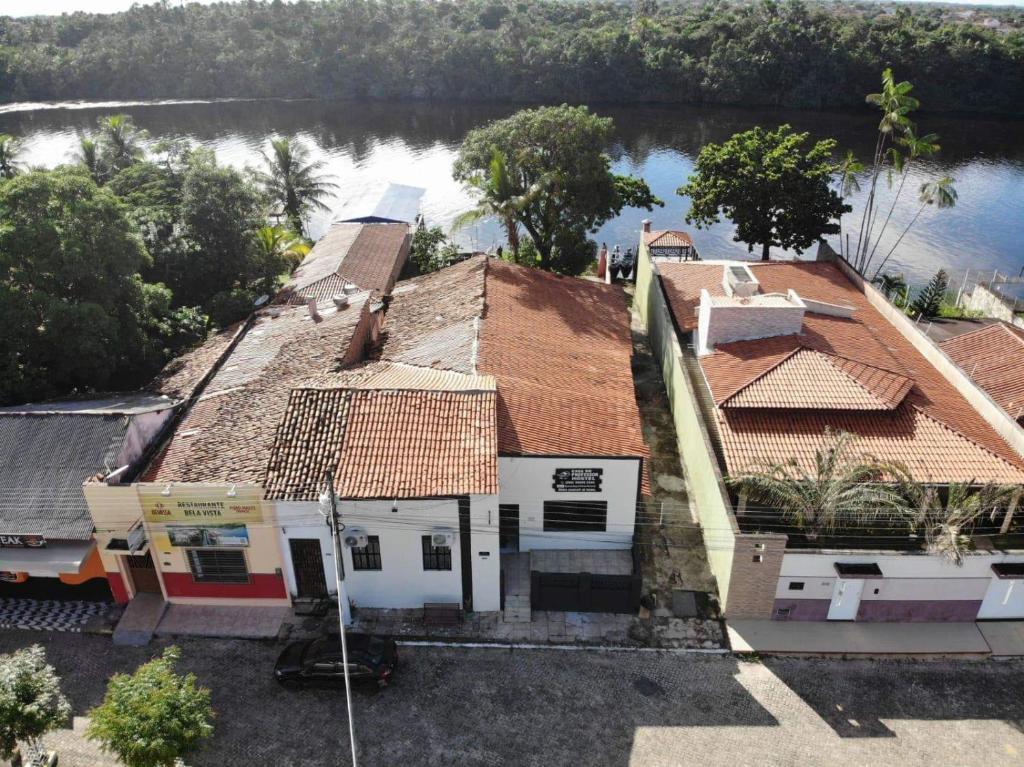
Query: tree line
<point x="124" y="257"/>
<point x="797" y="53"/>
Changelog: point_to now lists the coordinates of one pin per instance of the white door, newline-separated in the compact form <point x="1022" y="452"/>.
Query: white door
<point x="845" y="600"/>
<point x="1004" y="599"/>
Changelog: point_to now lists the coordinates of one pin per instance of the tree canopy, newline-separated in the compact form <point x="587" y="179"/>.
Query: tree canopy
<point x="796" y="53"/>
<point x="776" y="193"/>
<point x="153" y="717"/>
<point x="556" y="169"/>
<point x="31" y="703"/>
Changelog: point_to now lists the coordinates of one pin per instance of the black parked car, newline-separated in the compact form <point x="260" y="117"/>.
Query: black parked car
<point x="318" y="661"/>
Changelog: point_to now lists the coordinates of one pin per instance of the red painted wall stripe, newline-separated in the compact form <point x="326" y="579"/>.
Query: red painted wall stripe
<point x="117" y="588"/>
<point x="260" y="586"/>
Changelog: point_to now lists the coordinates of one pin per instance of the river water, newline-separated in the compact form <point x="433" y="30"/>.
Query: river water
<point x="367" y="145"/>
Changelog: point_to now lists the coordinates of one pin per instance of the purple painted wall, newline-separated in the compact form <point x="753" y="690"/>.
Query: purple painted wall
<point x="883" y="611"/>
<point x="934" y="610"/>
<point x="801" y="609"/>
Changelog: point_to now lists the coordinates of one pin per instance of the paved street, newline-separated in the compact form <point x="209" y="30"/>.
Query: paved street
<point x="451" y="706"/>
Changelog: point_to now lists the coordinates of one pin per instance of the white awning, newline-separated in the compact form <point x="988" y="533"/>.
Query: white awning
<point x="49" y="562"/>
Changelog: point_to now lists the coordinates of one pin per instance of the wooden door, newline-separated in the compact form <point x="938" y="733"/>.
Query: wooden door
<point x="143" y="572"/>
<point x="308" y="566"/>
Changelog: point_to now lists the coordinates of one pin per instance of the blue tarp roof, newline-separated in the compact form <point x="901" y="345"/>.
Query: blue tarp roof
<point x="397" y="205"/>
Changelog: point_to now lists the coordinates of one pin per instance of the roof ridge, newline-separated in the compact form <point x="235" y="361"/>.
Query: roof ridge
<point x="962" y="435"/>
<point x="800" y="347"/>
<point x="854" y="379"/>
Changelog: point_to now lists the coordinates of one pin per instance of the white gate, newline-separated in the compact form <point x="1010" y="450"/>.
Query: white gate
<point x="845" y="600"/>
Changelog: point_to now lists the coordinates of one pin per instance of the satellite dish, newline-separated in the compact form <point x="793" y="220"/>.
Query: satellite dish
<point x="261" y="300"/>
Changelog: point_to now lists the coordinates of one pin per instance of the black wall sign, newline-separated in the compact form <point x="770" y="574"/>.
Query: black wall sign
<point x="22" y="541"/>
<point x="577" y="480"/>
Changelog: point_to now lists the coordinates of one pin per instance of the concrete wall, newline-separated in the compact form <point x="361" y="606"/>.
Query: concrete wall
<point x="913" y="586"/>
<point x="402" y="582"/>
<point x="988" y="303"/>
<point x="722" y="320"/>
<point x="528" y="482"/>
<point x="1004" y="425"/>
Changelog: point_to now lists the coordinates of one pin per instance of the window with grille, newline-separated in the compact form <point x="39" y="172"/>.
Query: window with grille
<point x="561" y="516"/>
<point x="218" y="566"/>
<point x="436" y="557"/>
<point x="367" y="557"/>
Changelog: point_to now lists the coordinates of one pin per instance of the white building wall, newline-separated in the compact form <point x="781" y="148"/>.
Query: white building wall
<point x="528" y="482"/>
<point x="402" y="582"/>
<point x="905" y="577"/>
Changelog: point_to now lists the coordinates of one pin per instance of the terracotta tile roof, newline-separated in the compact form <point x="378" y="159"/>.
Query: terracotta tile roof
<point x="993" y="356"/>
<point x="561" y="350"/>
<point x="810" y="379"/>
<point x="668" y="238"/>
<point x="433" y="320"/>
<point x="369" y="256"/>
<point x="932" y="429"/>
<point x="180" y="376"/>
<point x="385" y="444"/>
<point x="396" y="375"/>
<point x="227" y="435"/>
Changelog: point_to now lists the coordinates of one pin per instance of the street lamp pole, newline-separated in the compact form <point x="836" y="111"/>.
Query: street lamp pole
<point x="344" y="615"/>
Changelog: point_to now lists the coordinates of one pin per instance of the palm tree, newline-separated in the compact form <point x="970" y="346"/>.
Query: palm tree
<point x="893" y="286"/>
<point x="939" y="193"/>
<point x="499" y="196"/>
<point x="120" y="142"/>
<point x="293" y="182"/>
<point x="842" y="488"/>
<point x="278" y="243"/>
<point x="88" y="156"/>
<point x="947" y="524"/>
<point x="10" y="147"/>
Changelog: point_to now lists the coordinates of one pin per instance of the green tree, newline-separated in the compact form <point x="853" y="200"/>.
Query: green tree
<point x="88" y="156"/>
<point x="930" y="299"/>
<point x="220" y="212"/>
<point x="119" y="142"/>
<point x="31" y="703"/>
<point x="279" y="244"/>
<point x="153" y="717"/>
<point x="556" y="165"/>
<point x="69" y="260"/>
<point x="294" y="182"/>
<point x="775" y="193"/>
<point x="430" y="249"/>
<point x="10" y="148"/>
<point x="842" y="489"/>
<point x="893" y="287"/>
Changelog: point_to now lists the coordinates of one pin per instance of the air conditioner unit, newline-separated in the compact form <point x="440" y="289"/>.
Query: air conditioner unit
<point x="356" y="538"/>
<point x="442" y="536"/>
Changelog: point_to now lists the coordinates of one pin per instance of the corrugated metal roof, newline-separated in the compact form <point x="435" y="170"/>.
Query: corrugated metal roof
<point x="44" y="459"/>
<point x="399" y="204"/>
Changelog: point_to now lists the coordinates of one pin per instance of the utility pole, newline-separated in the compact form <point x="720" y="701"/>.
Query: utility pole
<point x="344" y="615"/>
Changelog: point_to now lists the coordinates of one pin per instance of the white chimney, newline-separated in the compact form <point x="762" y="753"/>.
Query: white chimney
<point x="311" y="306"/>
<point x="744" y="314"/>
<point x="340" y="301"/>
<point x="646" y="224"/>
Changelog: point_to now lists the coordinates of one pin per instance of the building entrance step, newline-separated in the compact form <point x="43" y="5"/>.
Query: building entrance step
<point x="140" y="619"/>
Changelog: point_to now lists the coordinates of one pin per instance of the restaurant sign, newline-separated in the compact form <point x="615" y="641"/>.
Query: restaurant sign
<point x="22" y="542"/>
<point x="210" y="507"/>
<point x="577" y="480"/>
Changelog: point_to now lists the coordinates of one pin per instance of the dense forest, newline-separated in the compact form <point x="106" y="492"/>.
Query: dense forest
<point x="792" y="53"/>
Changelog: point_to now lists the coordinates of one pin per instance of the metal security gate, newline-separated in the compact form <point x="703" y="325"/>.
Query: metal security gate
<point x="585" y="592"/>
<point x="308" y="566"/>
<point x="143" y="572"/>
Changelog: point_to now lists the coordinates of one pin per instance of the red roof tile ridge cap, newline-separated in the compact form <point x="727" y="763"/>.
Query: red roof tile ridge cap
<point x="884" y="402"/>
<point x="722" y="402"/>
<point x="1018" y="466"/>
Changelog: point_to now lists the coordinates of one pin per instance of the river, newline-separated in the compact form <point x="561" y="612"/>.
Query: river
<point x="367" y="145"/>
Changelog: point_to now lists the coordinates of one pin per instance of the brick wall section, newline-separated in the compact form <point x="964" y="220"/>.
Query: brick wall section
<point x="752" y="584"/>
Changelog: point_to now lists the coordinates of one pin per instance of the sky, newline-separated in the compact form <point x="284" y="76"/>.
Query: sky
<point x="46" y="7"/>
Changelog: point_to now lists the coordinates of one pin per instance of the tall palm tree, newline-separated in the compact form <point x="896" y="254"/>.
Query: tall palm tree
<point x="946" y="523"/>
<point x="499" y="195"/>
<point x="120" y="142"/>
<point x="293" y="182"/>
<point x="939" y="193"/>
<point x="842" y="488"/>
<point x="10" y="147"/>
<point x="279" y="243"/>
<point x="88" y="156"/>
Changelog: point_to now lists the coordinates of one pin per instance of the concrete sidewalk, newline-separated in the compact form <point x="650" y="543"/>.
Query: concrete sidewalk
<point x="769" y="637"/>
<point x="1005" y="638"/>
